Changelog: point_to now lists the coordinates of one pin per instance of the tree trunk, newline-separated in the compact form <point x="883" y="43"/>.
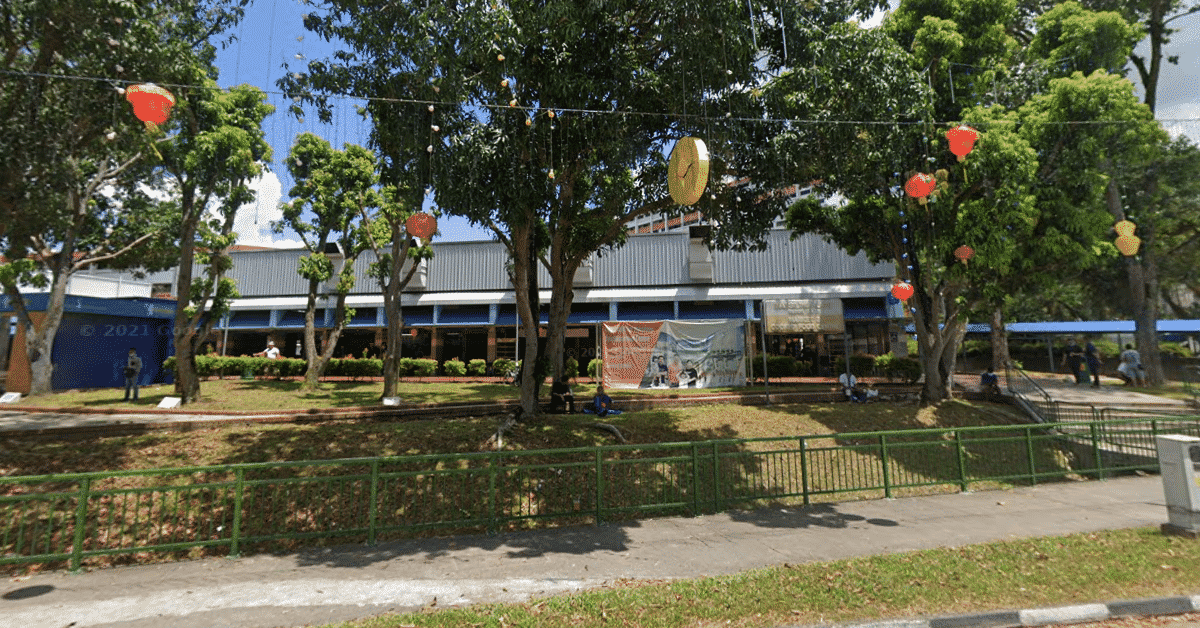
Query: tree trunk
<point x="39" y="346"/>
<point x="562" y="278"/>
<point x="1143" y="286"/>
<point x="187" y="383"/>
<point x="1000" y="354"/>
<point x="312" y="374"/>
<point x="391" y="302"/>
<point x="523" y="267"/>
<point x="932" y="343"/>
<point x="957" y="331"/>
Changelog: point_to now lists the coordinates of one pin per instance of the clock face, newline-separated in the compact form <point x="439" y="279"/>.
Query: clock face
<point x="687" y="171"/>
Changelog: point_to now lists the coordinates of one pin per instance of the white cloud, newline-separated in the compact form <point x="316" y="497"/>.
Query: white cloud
<point x="253" y="221"/>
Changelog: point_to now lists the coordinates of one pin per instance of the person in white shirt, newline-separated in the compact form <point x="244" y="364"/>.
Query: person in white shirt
<point x="271" y="353"/>
<point x="1131" y="367"/>
<point x="850" y="386"/>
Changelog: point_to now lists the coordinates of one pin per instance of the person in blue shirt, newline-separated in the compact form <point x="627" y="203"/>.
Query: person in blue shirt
<point x="989" y="382"/>
<point x="601" y="404"/>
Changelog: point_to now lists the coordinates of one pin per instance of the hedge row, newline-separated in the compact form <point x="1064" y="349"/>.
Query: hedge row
<point x="235" y="366"/>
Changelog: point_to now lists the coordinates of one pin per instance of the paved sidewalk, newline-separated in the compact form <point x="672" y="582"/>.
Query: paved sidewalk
<point x="357" y="581"/>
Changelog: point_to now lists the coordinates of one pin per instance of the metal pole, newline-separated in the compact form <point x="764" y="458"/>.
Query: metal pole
<point x="225" y="340"/>
<point x="762" y="329"/>
<point x="846" y="348"/>
<point x="1050" y="352"/>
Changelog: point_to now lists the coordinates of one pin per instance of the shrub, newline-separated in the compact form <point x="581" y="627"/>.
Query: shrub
<point x="907" y="369"/>
<point x="571" y="367"/>
<point x="862" y="364"/>
<point x="780" y="365"/>
<point x="502" y="366"/>
<point x="454" y="367"/>
<point x="1175" y="349"/>
<point x="976" y="347"/>
<point x="424" y="367"/>
<point x="595" y="368"/>
<point x="477" y="367"/>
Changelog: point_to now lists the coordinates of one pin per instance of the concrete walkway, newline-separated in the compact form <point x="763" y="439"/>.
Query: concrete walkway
<point x="357" y="581"/>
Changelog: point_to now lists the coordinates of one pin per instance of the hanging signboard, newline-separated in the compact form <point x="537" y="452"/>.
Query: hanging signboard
<point x="801" y="316"/>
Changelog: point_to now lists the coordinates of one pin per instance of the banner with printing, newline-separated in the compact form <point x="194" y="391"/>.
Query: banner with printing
<point x="675" y="354"/>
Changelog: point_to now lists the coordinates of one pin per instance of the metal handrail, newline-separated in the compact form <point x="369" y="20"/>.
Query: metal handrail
<point x="78" y="516"/>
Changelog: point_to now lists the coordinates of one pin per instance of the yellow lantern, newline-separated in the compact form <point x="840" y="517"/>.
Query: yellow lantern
<point x="1128" y="244"/>
<point x="1124" y="228"/>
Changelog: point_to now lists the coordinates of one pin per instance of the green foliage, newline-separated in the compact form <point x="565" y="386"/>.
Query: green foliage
<point x="862" y="364"/>
<point x="502" y="366"/>
<point x="781" y="365"/>
<point x="1072" y="38"/>
<point x="595" y="368"/>
<point x="454" y="367"/>
<point x="571" y="367"/>
<point x="906" y="369"/>
<point x="477" y="367"/>
<point x="976" y="347"/>
<point x="1175" y="349"/>
<point x="412" y="367"/>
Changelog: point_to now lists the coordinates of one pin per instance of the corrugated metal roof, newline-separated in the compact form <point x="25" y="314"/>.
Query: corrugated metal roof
<point x="650" y="260"/>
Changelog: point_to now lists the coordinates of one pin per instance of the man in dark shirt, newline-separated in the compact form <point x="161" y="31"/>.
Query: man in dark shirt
<point x="561" y="397"/>
<point x="1073" y="360"/>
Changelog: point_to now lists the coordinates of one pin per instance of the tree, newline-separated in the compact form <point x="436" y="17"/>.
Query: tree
<point x="218" y="149"/>
<point x="554" y="117"/>
<point x="391" y="221"/>
<point x="73" y="149"/>
<point x="337" y="187"/>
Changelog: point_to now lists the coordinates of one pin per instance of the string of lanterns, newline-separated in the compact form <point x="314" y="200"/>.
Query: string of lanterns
<point x="921" y="185"/>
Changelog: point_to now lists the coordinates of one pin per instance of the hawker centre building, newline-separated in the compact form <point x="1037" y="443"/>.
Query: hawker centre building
<point x="460" y="304"/>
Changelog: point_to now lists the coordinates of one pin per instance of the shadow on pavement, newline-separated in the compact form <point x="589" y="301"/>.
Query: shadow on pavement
<point x="817" y="515"/>
<point x="579" y="540"/>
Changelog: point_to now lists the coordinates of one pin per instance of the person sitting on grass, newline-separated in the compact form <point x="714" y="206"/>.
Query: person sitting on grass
<point x="561" y="397"/>
<point x="601" y="404"/>
<point x="850" y="386"/>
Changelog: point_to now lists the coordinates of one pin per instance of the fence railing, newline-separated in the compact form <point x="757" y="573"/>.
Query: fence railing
<point x="80" y="516"/>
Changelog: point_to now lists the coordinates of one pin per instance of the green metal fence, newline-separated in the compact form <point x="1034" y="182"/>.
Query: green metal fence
<point x="244" y="507"/>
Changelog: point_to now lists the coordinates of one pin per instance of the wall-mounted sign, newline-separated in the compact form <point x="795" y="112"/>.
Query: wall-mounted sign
<point x="799" y="316"/>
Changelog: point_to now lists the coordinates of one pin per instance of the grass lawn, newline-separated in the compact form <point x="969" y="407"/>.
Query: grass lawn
<point x="269" y="395"/>
<point x="349" y="439"/>
<point x="1050" y="571"/>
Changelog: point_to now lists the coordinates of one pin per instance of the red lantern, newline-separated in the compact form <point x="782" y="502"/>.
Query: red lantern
<point x="902" y="290"/>
<point x="920" y="186"/>
<point x="964" y="253"/>
<point x="421" y="225"/>
<point x="962" y="140"/>
<point x="151" y="104"/>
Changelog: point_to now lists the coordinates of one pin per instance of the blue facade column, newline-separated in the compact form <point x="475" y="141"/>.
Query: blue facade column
<point x="493" y="313"/>
<point x="749" y="309"/>
<point x="437" y="314"/>
<point x="675" y="304"/>
<point x="612" y="310"/>
<point x="273" y="321"/>
<point x="380" y="319"/>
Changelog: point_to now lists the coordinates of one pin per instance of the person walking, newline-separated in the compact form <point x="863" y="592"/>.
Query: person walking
<point x="133" y="369"/>
<point x="1093" y="362"/>
<point x="1131" y="367"/>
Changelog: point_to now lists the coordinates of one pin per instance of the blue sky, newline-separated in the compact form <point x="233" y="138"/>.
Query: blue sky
<point x="273" y="34"/>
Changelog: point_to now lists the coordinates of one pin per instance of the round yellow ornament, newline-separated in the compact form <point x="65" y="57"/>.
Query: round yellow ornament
<point x="687" y="172"/>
